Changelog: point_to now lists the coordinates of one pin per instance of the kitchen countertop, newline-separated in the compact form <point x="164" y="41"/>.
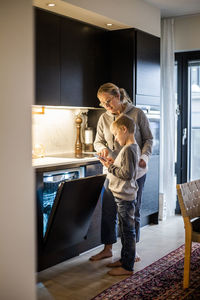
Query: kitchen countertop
<point x="63" y="159"/>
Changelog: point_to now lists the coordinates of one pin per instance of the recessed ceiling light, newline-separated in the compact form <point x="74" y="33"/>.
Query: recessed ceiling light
<point x="51" y="4"/>
<point x="109" y="24"/>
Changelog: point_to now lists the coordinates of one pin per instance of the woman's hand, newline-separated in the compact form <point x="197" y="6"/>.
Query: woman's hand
<point x="142" y="163"/>
<point x="104" y="152"/>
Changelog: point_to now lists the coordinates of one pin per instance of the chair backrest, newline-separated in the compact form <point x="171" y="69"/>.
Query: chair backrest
<point x="189" y="198"/>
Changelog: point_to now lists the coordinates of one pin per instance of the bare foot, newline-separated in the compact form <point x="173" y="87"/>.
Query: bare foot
<point x="114" y="264"/>
<point x="101" y="255"/>
<point x="137" y="258"/>
<point x="119" y="272"/>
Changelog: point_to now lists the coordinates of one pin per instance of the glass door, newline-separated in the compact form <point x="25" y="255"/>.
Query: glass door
<point x="188" y="116"/>
<point x="193" y="120"/>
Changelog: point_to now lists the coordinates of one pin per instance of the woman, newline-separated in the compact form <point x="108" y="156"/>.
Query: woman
<point x="116" y="101"/>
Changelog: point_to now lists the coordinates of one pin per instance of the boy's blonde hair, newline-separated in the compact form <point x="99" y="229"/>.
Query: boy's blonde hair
<point x="123" y="120"/>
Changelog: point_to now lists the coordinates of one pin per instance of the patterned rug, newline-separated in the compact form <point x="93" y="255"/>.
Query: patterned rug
<point x="162" y="279"/>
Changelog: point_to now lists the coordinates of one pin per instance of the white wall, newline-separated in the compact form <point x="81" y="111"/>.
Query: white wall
<point x="17" y="209"/>
<point x="186" y="32"/>
<point x="135" y="13"/>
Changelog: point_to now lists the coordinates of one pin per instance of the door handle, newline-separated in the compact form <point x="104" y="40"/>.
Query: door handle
<point x="184" y="136"/>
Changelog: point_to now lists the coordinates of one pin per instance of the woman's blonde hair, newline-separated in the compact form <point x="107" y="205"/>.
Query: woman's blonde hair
<point x="123" y="120"/>
<point x="113" y="90"/>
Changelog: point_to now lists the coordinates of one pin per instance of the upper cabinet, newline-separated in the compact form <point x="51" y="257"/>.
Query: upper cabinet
<point x="135" y="64"/>
<point x="121" y="50"/>
<point x="47" y="58"/>
<point x="147" y="64"/>
<point x="74" y="58"/>
<point x="70" y="60"/>
<point x="83" y="58"/>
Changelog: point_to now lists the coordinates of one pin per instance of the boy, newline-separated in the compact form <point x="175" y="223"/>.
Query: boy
<point x="122" y="175"/>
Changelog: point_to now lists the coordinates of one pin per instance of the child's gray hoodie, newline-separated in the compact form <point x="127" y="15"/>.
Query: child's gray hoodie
<point x="122" y="174"/>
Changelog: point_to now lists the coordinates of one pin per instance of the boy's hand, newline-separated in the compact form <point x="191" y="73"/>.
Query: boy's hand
<point x="110" y="160"/>
<point x="107" y="162"/>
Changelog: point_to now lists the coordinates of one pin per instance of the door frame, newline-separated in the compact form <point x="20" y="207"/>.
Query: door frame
<point x="182" y="59"/>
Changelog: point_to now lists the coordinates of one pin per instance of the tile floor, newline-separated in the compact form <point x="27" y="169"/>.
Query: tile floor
<point x="80" y="279"/>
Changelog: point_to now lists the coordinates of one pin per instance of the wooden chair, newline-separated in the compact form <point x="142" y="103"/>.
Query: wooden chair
<point x="189" y="200"/>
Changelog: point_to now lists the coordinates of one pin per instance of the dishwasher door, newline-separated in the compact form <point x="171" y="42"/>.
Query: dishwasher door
<point x="72" y="211"/>
<point x="51" y="182"/>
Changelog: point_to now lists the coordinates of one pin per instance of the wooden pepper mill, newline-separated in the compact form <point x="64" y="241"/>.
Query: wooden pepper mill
<point x="78" y="144"/>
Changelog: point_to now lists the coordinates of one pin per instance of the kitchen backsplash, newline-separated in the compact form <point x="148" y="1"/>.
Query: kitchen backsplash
<point x="55" y="129"/>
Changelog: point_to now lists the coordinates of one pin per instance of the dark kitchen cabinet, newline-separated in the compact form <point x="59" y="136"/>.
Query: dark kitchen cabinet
<point x="47" y="58"/>
<point x="74" y="58"/>
<point x="83" y="61"/>
<point x="70" y="60"/>
<point x="150" y="196"/>
<point x="93" y="169"/>
<point x="147" y="64"/>
<point x="122" y="59"/>
<point x="135" y="64"/>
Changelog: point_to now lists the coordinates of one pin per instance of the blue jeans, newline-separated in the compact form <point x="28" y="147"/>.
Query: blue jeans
<point x="126" y="215"/>
<point x="109" y="213"/>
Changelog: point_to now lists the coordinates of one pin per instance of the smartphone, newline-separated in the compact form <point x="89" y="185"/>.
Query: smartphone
<point x="101" y="157"/>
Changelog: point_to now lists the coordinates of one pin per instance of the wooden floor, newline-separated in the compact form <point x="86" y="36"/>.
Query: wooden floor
<point x="81" y="279"/>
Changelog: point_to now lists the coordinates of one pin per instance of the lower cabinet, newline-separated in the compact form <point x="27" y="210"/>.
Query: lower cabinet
<point x="74" y="223"/>
<point x="150" y="196"/>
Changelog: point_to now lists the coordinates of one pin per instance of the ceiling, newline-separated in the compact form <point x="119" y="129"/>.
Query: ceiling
<point x="78" y="13"/>
<point x="175" y="8"/>
<point x="168" y="8"/>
